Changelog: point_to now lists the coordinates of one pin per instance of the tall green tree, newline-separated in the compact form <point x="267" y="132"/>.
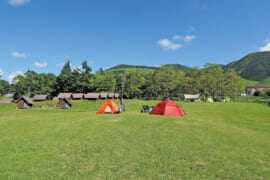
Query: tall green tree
<point x="214" y="80"/>
<point x="87" y="69"/>
<point x="133" y="82"/>
<point x="165" y="79"/>
<point x="233" y="84"/>
<point x="4" y="87"/>
<point x="105" y="82"/>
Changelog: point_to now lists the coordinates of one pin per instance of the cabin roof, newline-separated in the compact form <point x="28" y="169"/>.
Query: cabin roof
<point x="91" y="96"/>
<point x="40" y="97"/>
<point x="6" y="101"/>
<point x="26" y="99"/>
<point x="77" y="95"/>
<point x="64" y="95"/>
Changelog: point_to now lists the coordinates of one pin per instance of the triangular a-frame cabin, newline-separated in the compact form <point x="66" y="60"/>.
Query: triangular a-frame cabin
<point x="24" y="102"/>
<point x="168" y="108"/>
<point x="64" y="103"/>
<point x="109" y="107"/>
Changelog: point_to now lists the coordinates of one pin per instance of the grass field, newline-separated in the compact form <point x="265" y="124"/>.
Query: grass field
<point x="214" y="141"/>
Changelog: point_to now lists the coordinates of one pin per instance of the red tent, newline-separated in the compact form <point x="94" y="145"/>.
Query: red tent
<point x="168" y="108"/>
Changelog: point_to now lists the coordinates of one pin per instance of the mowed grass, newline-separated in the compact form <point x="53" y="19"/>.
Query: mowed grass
<point x="214" y="141"/>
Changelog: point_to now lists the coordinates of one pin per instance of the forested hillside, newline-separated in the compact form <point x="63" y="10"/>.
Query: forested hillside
<point x="254" y="66"/>
<point x="122" y="68"/>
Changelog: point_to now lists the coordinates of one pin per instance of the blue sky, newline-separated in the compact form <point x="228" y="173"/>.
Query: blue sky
<point x="42" y="35"/>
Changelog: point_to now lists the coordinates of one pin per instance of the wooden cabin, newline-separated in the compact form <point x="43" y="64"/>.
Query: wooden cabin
<point x="110" y="95"/>
<point x="64" y="95"/>
<point x="6" y="101"/>
<point x="92" y="96"/>
<point x="40" y="97"/>
<point x="116" y="95"/>
<point x="24" y="102"/>
<point x="192" y="97"/>
<point x="64" y="103"/>
<point x="103" y="95"/>
<point x="77" y="96"/>
<point x="55" y="99"/>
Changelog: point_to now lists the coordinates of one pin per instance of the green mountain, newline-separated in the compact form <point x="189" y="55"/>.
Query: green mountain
<point x="254" y="66"/>
<point x="122" y="68"/>
<point x="179" y="67"/>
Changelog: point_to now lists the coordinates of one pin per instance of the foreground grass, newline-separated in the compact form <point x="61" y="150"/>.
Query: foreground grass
<point x="214" y="141"/>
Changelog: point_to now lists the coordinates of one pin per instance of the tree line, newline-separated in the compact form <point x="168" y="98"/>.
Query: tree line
<point x="211" y="81"/>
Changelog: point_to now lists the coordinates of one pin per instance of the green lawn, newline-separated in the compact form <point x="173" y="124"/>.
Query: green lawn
<point x="214" y="141"/>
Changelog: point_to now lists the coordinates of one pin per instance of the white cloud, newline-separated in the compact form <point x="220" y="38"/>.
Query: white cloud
<point x="186" y="38"/>
<point x="14" y="74"/>
<point x="18" y="2"/>
<point x="189" y="38"/>
<point x="177" y="37"/>
<point x="18" y="55"/>
<point x="41" y="65"/>
<point x="169" y="45"/>
<point x="1" y="72"/>
<point x="267" y="46"/>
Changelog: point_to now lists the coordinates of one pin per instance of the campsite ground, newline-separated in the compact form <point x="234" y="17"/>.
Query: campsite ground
<point x="214" y="141"/>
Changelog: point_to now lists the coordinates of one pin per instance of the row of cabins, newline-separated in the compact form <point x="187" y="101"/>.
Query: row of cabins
<point x="78" y="96"/>
<point x="64" y="99"/>
<point x="25" y="102"/>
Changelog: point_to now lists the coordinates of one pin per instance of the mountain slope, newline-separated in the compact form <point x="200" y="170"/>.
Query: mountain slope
<point x="122" y="68"/>
<point x="265" y="82"/>
<point x="254" y="66"/>
<point x="178" y="67"/>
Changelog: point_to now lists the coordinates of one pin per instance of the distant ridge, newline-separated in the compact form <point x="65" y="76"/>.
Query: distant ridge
<point x="254" y="66"/>
<point x="122" y="68"/>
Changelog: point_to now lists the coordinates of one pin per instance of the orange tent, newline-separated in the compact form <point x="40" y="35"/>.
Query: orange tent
<point x="108" y="107"/>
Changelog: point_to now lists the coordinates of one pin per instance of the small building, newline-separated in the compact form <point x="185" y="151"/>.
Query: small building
<point x="55" y="99"/>
<point x="116" y="95"/>
<point x="77" y="96"/>
<point x="40" y="97"/>
<point x="103" y="95"/>
<point x="250" y="90"/>
<point x="192" y="97"/>
<point x="6" y="101"/>
<point x="64" y="103"/>
<point x="110" y="95"/>
<point x="24" y="102"/>
<point x="65" y="95"/>
<point x="92" y="96"/>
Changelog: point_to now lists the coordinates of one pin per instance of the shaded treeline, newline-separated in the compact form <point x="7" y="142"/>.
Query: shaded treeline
<point x="211" y="81"/>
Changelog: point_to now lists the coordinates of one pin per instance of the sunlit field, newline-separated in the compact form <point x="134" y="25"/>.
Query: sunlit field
<point x="214" y="141"/>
